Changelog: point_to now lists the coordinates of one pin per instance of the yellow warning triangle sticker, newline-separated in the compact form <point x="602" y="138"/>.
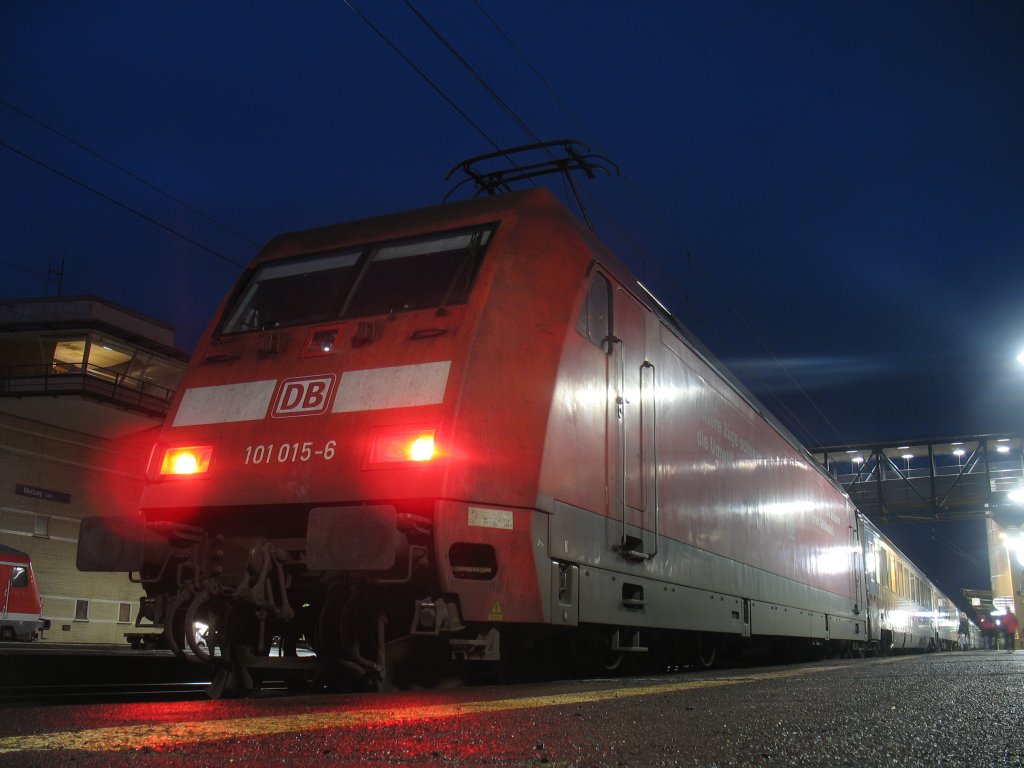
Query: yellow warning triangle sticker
<point x="496" y="613"/>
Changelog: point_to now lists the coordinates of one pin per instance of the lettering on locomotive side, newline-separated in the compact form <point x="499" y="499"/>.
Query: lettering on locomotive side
<point x="304" y="396"/>
<point x="271" y="453"/>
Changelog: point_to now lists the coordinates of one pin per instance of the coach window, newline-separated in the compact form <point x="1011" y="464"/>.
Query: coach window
<point x="595" y="314"/>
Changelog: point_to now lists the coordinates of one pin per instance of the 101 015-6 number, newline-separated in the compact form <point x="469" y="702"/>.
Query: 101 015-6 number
<point x="282" y="453"/>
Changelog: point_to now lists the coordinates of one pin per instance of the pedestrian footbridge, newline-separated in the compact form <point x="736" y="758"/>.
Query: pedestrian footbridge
<point x="949" y="479"/>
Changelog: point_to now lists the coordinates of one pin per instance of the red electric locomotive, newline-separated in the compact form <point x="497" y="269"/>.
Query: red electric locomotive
<point x="468" y="431"/>
<point x="20" y="605"/>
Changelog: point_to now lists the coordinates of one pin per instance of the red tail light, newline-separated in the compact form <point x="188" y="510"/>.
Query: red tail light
<point x="187" y="460"/>
<point x="402" y="446"/>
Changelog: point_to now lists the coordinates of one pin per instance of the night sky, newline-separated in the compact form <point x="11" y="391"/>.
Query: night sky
<point x="830" y="194"/>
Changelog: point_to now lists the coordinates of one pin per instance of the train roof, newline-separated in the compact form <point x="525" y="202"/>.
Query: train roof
<point x="12" y="552"/>
<point x="414" y="221"/>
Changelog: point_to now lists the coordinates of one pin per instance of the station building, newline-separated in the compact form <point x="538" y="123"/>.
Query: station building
<point x="84" y="388"/>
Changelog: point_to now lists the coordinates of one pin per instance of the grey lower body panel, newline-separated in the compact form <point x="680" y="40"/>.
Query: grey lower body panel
<point x="682" y="587"/>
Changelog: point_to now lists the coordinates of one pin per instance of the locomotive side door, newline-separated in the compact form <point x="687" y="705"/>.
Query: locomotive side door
<point x="632" y="471"/>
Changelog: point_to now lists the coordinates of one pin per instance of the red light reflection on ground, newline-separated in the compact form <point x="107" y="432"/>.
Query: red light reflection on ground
<point x="356" y="730"/>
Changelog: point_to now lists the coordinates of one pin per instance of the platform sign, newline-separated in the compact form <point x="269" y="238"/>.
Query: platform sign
<point x="42" y="493"/>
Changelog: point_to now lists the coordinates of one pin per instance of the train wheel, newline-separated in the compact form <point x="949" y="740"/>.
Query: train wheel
<point x="593" y="653"/>
<point x="351" y="639"/>
<point x="707" y="651"/>
<point x="611" y="661"/>
<point x="288" y="648"/>
<point x="174" y="622"/>
<point x="885" y="644"/>
<point x="196" y="612"/>
<point x="236" y="636"/>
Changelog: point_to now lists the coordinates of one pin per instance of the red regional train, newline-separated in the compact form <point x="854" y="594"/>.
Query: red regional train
<point x="20" y="605"/>
<point x="468" y="433"/>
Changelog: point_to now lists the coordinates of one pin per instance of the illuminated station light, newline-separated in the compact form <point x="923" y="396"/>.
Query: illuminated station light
<point x="1014" y="543"/>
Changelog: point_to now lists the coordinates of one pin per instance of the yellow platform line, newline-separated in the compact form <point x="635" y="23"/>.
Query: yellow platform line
<point x="165" y="735"/>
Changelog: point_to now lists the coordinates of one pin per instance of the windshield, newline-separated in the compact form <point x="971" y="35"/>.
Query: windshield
<point x="381" y="278"/>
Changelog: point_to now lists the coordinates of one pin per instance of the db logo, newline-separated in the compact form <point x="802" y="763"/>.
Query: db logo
<point x="304" y="396"/>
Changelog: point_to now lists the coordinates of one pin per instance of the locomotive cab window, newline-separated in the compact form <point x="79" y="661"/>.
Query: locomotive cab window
<point x="381" y="278"/>
<point x="293" y="292"/>
<point x="428" y="272"/>
<point x="594" y="321"/>
<point x="19" y="576"/>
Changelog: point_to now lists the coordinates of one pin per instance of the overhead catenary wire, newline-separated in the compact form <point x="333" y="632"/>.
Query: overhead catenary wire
<point x="10" y="310"/>
<point x="776" y="401"/>
<point x="536" y="72"/>
<point x="479" y="78"/>
<point x="437" y="89"/>
<point x="127" y="172"/>
<point x="530" y="132"/>
<point x="122" y="205"/>
<point x="434" y="86"/>
<point x="767" y="389"/>
<point x="797" y="425"/>
<point x="656" y="211"/>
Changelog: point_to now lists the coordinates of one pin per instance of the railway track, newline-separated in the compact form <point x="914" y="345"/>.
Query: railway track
<point x="88" y="693"/>
<point x="58" y="673"/>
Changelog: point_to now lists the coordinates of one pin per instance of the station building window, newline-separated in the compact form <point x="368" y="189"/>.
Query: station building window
<point x="108" y="359"/>
<point x="98" y="356"/>
<point x="68" y="355"/>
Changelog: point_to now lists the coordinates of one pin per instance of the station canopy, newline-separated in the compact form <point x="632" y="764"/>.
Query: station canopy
<point x="949" y="479"/>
